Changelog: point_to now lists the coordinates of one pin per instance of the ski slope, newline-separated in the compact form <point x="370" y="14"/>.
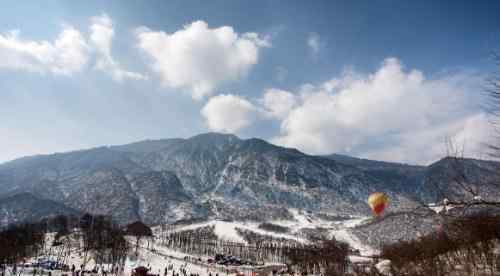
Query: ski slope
<point x="226" y="230"/>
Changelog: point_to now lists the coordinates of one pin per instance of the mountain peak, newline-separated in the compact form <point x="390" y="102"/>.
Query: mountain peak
<point x="212" y="140"/>
<point x="214" y="136"/>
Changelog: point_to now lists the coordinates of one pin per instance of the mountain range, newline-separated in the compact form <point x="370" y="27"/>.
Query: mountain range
<point x="221" y="176"/>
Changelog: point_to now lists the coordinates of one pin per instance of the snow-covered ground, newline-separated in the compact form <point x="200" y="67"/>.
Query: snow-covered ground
<point x="339" y="229"/>
<point x="157" y="263"/>
<point x="346" y="236"/>
<point x="223" y="229"/>
<point x="227" y="230"/>
<point x="158" y="257"/>
<point x="301" y="220"/>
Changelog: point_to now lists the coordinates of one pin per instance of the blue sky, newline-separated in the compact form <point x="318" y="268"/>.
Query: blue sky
<point x="388" y="80"/>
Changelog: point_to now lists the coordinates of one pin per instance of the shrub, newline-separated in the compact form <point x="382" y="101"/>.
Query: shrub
<point x="465" y="243"/>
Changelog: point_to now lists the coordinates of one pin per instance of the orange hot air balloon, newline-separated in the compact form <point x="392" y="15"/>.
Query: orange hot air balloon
<point x="378" y="202"/>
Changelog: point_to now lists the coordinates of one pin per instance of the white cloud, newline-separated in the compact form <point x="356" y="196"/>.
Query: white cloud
<point x="278" y="103"/>
<point x="392" y="114"/>
<point x="101" y="37"/>
<point x="313" y="41"/>
<point x="228" y="113"/>
<point x="66" y="55"/>
<point x="199" y="58"/>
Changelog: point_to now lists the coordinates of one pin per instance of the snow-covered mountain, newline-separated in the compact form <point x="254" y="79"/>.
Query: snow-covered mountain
<point x="24" y="207"/>
<point x="220" y="176"/>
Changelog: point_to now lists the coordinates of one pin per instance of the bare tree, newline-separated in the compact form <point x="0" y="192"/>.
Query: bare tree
<point x="139" y="230"/>
<point x="20" y="241"/>
<point x="458" y="174"/>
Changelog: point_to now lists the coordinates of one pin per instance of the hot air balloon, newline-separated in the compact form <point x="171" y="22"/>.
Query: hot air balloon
<point x="378" y="202"/>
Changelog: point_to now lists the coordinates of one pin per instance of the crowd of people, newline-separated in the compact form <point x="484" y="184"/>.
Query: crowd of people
<point x="168" y="271"/>
<point x="97" y="270"/>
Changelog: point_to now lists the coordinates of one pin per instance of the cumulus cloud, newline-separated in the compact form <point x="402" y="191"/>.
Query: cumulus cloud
<point x="66" y="55"/>
<point x="199" y="58"/>
<point x="228" y="113"/>
<point x="392" y="114"/>
<point x="278" y="103"/>
<point x="69" y="53"/>
<point x="313" y="41"/>
<point x="101" y="36"/>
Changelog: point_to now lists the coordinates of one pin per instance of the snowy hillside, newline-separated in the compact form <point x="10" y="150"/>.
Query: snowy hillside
<point x="218" y="176"/>
<point x="300" y="228"/>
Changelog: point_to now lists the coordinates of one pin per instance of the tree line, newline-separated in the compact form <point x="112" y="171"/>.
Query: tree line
<point x="96" y="237"/>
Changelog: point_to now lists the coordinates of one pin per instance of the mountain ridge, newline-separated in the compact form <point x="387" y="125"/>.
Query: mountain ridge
<point x="136" y="147"/>
<point x="216" y="175"/>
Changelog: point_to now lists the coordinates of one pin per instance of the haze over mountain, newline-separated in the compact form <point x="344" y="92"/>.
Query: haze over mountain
<point x="217" y="176"/>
